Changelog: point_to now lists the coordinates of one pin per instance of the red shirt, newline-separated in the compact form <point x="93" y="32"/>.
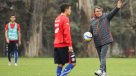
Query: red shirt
<point x="62" y="32"/>
<point x="12" y="26"/>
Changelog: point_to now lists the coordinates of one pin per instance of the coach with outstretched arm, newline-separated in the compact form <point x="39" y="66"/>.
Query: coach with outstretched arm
<point x="99" y="27"/>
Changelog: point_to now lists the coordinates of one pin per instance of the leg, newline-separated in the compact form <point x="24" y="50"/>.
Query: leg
<point x="99" y="72"/>
<point x="99" y="52"/>
<point x="59" y="69"/>
<point x="71" y="64"/>
<point x="103" y="57"/>
<point x="9" y="56"/>
<point x="58" y="61"/>
<point x="15" y="52"/>
<point x="68" y="69"/>
<point x="9" y="52"/>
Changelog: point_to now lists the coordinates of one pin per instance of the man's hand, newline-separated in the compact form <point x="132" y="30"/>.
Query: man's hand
<point x="119" y="4"/>
<point x="7" y="40"/>
<point x="70" y="49"/>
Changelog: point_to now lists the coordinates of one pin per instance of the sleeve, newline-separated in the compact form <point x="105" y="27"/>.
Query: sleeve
<point x="18" y="27"/>
<point x="6" y="27"/>
<point x="90" y="26"/>
<point x="67" y="34"/>
<point x="111" y="14"/>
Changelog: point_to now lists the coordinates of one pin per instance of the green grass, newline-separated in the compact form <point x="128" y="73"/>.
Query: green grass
<point x="85" y="67"/>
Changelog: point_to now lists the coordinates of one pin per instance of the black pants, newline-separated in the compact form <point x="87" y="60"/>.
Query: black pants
<point x="13" y="47"/>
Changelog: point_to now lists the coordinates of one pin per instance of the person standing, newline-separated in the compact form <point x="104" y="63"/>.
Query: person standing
<point x="13" y="38"/>
<point x="99" y="27"/>
<point x="63" y="51"/>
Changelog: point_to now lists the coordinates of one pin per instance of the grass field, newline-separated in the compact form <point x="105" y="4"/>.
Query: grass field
<point x="85" y="67"/>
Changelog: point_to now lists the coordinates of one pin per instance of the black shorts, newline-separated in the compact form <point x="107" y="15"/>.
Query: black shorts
<point x="62" y="56"/>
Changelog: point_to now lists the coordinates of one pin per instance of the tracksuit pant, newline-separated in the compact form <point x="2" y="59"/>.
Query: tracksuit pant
<point x="13" y="46"/>
<point x="102" y="51"/>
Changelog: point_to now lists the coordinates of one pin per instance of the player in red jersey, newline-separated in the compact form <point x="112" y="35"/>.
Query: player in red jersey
<point x="63" y="51"/>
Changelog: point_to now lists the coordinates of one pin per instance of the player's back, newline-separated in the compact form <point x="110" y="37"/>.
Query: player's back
<point x="59" y="25"/>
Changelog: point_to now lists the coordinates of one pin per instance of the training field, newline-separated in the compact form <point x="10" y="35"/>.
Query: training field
<point x="85" y="67"/>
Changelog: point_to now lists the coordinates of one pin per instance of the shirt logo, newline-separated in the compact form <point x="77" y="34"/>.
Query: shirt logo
<point x="57" y="20"/>
<point x="67" y="23"/>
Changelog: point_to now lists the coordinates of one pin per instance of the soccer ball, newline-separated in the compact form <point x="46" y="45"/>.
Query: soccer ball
<point x="87" y="36"/>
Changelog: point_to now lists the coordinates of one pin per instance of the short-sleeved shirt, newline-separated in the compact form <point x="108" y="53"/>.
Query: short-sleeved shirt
<point x="12" y="26"/>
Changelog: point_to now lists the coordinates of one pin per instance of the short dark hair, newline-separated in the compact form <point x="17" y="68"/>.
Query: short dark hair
<point x="64" y="6"/>
<point x="12" y="15"/>
<point x="98" y="7"/>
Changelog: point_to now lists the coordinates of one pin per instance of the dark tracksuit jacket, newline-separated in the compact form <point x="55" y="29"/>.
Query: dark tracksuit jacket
<point x="99" y="27"/>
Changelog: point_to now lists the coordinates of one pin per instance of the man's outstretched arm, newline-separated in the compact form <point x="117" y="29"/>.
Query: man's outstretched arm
<point x="115" y="10"/>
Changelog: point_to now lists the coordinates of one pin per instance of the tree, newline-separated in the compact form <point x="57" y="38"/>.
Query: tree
<point x="34" y="42"/>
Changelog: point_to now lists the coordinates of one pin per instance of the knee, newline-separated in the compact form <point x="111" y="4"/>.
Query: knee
<point x="103" y="56"/>
<point x="60" y="65"/>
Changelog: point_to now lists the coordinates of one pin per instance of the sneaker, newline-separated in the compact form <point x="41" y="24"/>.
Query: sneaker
<point x="9" y="63"/>
<point x="16" y="64"/>
<point x="98" y="73"/>
<point x="104" y="74"/>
